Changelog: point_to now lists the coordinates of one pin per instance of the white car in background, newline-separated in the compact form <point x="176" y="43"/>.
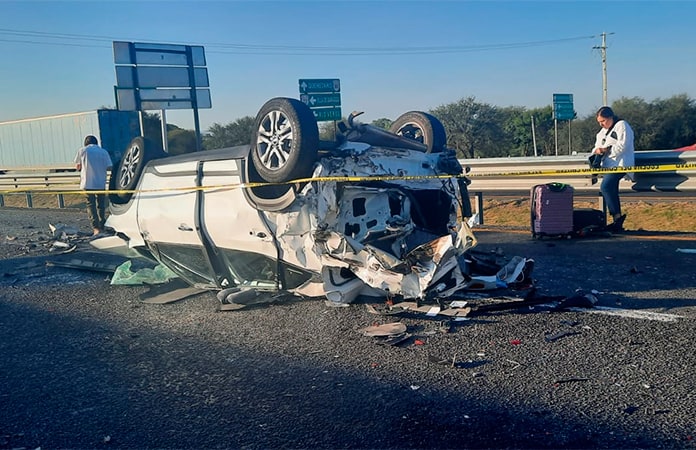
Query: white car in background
<point x="376" y="212"/>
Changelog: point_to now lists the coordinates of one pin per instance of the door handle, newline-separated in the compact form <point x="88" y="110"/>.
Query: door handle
<point x="184" y="227"/>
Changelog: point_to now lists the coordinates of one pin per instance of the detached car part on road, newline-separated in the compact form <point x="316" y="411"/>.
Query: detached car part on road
<point x="379" y="213"/>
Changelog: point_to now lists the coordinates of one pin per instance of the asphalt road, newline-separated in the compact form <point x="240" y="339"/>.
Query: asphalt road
<point x="87" y="365"/>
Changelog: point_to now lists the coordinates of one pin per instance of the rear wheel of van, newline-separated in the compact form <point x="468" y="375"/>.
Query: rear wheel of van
<point x="285" y="142"/>
<point x="421" y="127"/>
<point x="140" y="151"/>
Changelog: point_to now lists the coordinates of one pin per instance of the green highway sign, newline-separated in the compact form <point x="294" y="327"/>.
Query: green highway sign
<point x="563" y="98"/>
<point x="323" y="97"/>
<point x="563" y="107"/>
<point x="564" y="113"/>
<point x="564" y="116"/>
<point x="320" y="100"/>
<point x="327" y="114"/>
<point x="319" y="85"/>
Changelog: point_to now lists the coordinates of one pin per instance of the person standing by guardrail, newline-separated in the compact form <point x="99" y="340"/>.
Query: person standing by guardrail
<point x="93" y="162"/>
<point x="614" y="142"/>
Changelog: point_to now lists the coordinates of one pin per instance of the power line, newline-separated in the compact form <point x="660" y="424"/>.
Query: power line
<point x="258" y="49"/>
<point x="66" y="44"/>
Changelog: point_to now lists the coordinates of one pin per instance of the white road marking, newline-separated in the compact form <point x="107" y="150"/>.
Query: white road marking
<point x="631" y="313"/>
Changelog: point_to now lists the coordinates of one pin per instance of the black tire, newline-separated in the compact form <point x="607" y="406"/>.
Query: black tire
<point x="139" y="152"/>
<point x="421" y="127"/>
<point x="285" y="142"/>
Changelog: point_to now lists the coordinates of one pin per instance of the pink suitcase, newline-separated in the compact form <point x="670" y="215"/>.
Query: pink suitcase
<point x="552" y="210"/>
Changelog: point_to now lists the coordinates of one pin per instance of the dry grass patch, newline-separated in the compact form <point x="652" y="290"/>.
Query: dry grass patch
<point x="640" y="215"/>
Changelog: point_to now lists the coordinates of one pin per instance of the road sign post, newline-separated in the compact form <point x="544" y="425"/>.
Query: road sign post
<point x="563" y="110"/>
<point x="161" y="76"/>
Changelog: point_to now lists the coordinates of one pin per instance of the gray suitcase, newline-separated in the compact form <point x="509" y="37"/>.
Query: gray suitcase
<point x="552" y="210"/>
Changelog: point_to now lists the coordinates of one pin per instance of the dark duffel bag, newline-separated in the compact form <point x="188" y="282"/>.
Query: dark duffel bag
<point x="588" y="219"/>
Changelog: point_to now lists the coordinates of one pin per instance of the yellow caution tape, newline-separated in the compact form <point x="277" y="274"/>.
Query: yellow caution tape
<point x="588" y="171"/>
<point x="355" y="179"/>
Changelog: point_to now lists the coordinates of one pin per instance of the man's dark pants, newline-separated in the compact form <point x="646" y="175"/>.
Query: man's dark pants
<point x="96" y="209"/>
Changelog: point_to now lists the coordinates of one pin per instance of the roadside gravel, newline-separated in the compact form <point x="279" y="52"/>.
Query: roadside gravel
<point x="87" y="365"/>
<point x="27" y="231"/>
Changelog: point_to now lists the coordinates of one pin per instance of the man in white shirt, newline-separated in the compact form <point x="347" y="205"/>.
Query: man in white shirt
<point x="93" y="162"/>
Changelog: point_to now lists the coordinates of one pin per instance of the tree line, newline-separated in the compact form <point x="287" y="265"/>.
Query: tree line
<point x="481" y="130"/>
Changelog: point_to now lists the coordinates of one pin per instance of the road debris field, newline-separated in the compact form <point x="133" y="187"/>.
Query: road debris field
<point x="592" y="348"/>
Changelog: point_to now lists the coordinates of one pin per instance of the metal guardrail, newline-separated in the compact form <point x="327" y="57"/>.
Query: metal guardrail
<point x="499" y="175"/>
<point x="40" y="183"/>
<point x="663" y="181"/>
<point x="679" y="180"/>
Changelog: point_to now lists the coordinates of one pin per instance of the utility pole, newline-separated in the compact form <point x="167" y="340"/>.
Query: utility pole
<point x="534" y="138"/>
<point x="603" y="48"/>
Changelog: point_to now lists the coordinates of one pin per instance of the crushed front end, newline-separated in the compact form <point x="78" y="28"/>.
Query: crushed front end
<point x="393" y="218"/>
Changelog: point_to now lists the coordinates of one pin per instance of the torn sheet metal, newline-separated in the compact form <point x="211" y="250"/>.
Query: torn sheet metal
<point x="169" y="292"/>
<point x="82" y="264"/>
<point x="372" y="232"/>
<point x="410" y="277"/>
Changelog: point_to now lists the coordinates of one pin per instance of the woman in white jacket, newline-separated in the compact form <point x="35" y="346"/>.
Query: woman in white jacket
<point x="615" y="143"/>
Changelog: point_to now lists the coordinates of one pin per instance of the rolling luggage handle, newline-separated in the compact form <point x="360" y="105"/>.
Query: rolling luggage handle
<point x="557" y="187"/>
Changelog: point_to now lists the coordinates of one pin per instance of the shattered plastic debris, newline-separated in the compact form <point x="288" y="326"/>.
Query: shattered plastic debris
<point x="394" y="340"/>
<point x="485" y="283"/>
<point x="59" y="245"/>
<point x="434" y="310"/>
<point x="458" y="304"/>
<point x="551" y="337"/>
<point x="570" y="380"/>
<point x="513" y="271"/>
<point x="331" y="304"/>
<point x="429" y="310"/>
<point x="470" y="364"/>
<point x="60" y="228"/>
<point x="372" y="310"/>
<point x="124" y="276"/>
<point x="234" y="298"/>
<point x="579" y="300"/>
<point x="387" y="334"/>
<point x="387" y="329"/>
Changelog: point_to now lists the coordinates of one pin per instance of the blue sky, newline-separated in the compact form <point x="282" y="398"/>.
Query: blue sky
<point x="391" y="56"/>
